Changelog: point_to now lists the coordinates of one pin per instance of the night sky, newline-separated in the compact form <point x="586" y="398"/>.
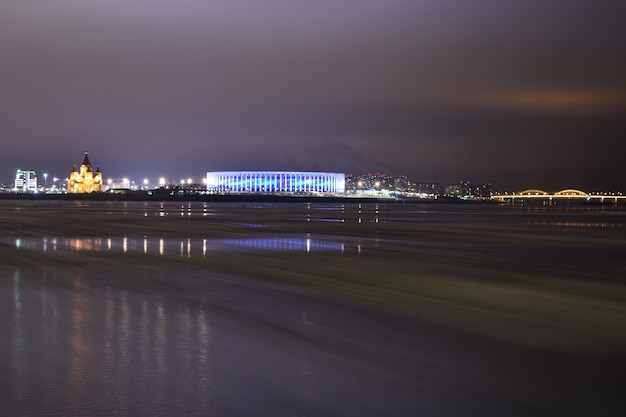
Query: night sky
<point x="523" y="94"/>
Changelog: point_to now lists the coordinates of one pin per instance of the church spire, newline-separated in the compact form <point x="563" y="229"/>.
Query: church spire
<point x="86" y="160"/>
<point x="85" y="180"/>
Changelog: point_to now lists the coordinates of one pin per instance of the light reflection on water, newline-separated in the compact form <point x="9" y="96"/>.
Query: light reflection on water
<point x="183" y="247"/>
<point x="318" y="212"/>
<point x="103" y="351"/>
<point x="136" y="350"/>
<point x="438" y="324"/>
<point x="577" y="225"/>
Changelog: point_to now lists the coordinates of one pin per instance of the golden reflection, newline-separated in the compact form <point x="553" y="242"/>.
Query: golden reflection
<point x="187" y="246"/>
<point x="81" y="244"/>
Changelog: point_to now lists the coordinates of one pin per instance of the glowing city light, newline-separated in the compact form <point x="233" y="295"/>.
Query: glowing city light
<point x="275" y="181"/>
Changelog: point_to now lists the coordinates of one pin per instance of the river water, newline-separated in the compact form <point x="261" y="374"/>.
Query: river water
<point x="198" y="309"/>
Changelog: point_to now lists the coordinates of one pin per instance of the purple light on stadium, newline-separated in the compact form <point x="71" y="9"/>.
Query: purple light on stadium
<point x="276" y="182"/>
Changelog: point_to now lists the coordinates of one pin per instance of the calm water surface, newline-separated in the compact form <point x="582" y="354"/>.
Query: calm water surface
<point x="194" y="309"/>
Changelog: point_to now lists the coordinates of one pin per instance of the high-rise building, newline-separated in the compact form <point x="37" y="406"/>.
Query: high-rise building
<point x="85" y="180"/>
<point x="485" y="191"/>
<point x="25" y="181"/>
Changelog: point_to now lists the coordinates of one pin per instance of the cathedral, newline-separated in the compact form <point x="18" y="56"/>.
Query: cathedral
<point x="85" y="180"/>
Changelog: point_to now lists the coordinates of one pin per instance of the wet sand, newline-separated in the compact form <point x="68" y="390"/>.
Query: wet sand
<point x="305" y="309"/>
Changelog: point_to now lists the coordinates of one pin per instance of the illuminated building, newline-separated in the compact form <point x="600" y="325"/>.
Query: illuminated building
<point x="275" y="182"/>
<point x="379" y="185"/>
<point x="85" y="180"/>
<point x="25" y="181"/>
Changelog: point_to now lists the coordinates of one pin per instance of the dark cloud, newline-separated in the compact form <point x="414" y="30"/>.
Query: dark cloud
<point x="518" y="93"/>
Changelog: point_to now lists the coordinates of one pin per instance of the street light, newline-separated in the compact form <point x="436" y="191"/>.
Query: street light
<point x="45" y="181"/>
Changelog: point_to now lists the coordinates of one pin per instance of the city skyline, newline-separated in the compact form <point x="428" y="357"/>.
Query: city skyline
<point x="364" y="181"/>
<point x="519" y="95"/>
<point x="152" y="182"/>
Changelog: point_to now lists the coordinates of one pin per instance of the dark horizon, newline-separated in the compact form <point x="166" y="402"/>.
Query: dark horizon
<point x="173" y="181"/>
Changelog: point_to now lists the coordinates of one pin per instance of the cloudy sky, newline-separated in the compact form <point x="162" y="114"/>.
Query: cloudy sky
<point x="523" y="94"/>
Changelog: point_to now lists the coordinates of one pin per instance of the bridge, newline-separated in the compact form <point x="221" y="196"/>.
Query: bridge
<point x="569" y="193"/>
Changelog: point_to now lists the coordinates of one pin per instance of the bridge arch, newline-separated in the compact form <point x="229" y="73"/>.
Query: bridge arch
<point x="533" y="192"/>
<point x="570" y="192"/>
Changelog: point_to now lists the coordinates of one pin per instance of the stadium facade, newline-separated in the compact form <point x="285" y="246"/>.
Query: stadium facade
<point x="275" y="182"/>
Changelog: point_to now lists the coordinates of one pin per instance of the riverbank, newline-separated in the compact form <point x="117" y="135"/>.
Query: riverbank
<point x="311" y="309"/>
<point x="167" y="195"/>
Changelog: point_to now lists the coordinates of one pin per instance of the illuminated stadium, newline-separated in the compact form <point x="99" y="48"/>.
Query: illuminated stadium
<point x="275" y="182"/>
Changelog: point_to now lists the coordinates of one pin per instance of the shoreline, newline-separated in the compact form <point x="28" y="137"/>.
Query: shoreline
<point x="158" y="195"/>
<point x="161" y="196"/>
